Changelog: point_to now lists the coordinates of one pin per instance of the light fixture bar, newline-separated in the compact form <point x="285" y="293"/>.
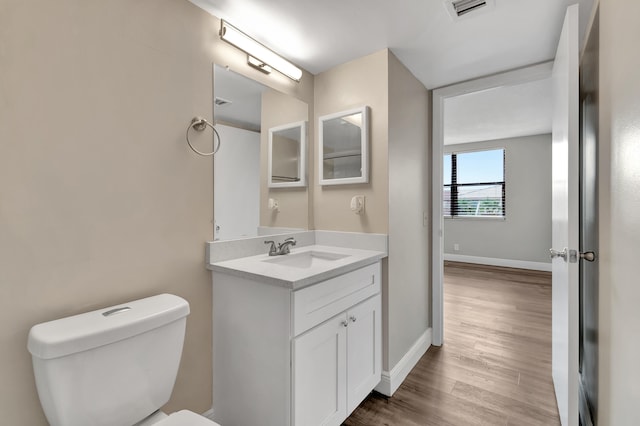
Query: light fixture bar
<point x="234" y="36"/>
<point x="258" y="64"/>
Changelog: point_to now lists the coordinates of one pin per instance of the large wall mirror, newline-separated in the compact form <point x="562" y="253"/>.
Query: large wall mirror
<point x="244" y="111"/>
<point x="343" y="156"/>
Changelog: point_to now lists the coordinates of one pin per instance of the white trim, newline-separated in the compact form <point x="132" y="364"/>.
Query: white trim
<point x="437" y="223"/>
<point x="364" y="147"/>
<point x="509" y="263"/>
<point x="391" y="380"/>
<point x="208" y="414"/>
<point x="509" y="78"/>
<point x="302" y="156"/>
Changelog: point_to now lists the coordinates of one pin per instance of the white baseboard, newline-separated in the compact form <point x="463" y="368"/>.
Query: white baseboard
<point x="391" y="380"/>
<point x="208" y="414"/>
<point x="509" y="263"/>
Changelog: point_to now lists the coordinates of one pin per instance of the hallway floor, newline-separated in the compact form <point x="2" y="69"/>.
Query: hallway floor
<point x="495" y="365"/>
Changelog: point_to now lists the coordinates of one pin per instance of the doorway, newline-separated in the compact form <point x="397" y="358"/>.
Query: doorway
<point x="498" y="319"/>
<point x="440" y="96"/>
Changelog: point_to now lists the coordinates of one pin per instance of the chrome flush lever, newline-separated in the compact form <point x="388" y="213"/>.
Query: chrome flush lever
<point x="116" y="311"/>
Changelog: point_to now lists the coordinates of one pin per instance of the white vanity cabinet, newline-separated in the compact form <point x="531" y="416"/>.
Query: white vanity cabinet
<point x="295" y="357"/>
<point x="337" y="364"/>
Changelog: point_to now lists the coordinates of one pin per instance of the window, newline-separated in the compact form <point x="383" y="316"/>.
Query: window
<point x="474" y="184"/>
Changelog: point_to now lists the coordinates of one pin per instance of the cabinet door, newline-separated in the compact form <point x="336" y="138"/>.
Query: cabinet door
<point x="364" y="350"/>
<point x="320" y="377"/>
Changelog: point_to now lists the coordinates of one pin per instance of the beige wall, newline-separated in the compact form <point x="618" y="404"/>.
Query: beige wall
<point x="101" y="201"/>
<point x="277" y="110"/>
<point x="525" y="233"/>
<point x="408" y="290"/>
<point x="398" y="191"/>
<point x="619" y="172"/>
<point x="363" y="81"/>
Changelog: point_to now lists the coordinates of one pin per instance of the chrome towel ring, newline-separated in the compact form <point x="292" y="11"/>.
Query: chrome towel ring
<point x="199" y="124"/>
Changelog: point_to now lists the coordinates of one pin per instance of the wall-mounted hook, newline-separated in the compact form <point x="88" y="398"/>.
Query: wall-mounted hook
<point x="357" y="204"/>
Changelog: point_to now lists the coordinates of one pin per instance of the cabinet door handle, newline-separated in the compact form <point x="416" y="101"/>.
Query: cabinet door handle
<point x="344" y="323"/>
<point x="352" y="318"/>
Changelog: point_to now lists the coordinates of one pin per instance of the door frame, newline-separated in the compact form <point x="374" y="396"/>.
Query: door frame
<point x="508" y="78"/>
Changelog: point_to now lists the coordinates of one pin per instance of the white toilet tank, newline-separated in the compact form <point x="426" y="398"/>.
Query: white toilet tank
<point x="110" y="367"/>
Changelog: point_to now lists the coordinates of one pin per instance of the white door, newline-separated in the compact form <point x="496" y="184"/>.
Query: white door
<point x="364" y="351"/>
<point x="565" y="219"/>
<point x="320" y="374"/>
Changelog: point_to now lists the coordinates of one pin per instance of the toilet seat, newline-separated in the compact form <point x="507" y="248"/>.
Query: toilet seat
<point x="185" y="418"/>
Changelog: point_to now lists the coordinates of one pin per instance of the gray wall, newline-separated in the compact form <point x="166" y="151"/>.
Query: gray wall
<point x="525" y="233"/>
<point x="407" y="296"/>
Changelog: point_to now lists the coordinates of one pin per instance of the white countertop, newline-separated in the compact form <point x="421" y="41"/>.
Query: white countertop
<point x="261" y="267"/>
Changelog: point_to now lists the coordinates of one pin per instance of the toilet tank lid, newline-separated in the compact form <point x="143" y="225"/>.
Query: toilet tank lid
<point x="89" y="330"/>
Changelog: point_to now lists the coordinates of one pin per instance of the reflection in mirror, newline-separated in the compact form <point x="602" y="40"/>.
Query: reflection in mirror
<point x="244" y="108"/>
<point x="343" y="155"/>
<point x="287" y="155"/>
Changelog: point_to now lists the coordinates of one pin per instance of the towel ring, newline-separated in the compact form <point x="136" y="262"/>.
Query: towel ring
<point x="199" y="124"/>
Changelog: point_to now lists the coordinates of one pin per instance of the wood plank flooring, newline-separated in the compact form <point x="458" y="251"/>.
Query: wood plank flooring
<point x="495" y="365"/>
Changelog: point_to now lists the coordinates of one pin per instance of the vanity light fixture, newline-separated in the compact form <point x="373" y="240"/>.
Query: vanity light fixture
<point x="260" y="56"/>
<point x="259" y="65"/>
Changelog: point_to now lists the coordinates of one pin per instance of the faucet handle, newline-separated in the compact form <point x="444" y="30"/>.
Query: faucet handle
<point x="272" y="249"/>
<point x="284" y="247"/>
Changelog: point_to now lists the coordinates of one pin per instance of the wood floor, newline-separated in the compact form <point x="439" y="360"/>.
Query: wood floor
<point x="495" y="365"/>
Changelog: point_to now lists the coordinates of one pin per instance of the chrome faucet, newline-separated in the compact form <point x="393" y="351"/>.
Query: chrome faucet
<point x="283" y="248"/>
<point x="272" y="250"/>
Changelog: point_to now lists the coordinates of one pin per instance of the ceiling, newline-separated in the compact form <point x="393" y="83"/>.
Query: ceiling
<point x="503" y="112"/>
<point x="438" y="50"/>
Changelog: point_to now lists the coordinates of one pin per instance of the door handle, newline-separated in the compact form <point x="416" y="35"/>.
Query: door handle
<point x="555" y="253"/>
<point x="589" y="256"/>
<point x="572" y="255"/>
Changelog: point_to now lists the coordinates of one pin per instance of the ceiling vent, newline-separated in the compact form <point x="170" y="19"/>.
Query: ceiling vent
<point x="466" y="8"/>
<point x="221" y="101"/>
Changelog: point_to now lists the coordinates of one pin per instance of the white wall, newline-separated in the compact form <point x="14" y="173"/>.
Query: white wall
<point x="525" y="233"/>
<point x="237" y="165"/>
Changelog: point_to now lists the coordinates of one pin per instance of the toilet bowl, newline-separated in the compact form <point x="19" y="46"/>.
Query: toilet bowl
<point x="114" y="366"/>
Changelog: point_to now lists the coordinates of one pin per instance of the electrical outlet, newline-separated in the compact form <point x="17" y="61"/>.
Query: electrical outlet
<point x="456" y="247"/>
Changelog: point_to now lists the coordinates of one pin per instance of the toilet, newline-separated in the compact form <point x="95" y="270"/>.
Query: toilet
<point x="112" y="367"/>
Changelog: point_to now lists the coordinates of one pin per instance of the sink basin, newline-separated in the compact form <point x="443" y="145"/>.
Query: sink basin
<point x="307" y="259"/>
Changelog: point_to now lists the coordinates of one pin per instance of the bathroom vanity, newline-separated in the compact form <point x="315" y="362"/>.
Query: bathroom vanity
<point x="297" y="339"/>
